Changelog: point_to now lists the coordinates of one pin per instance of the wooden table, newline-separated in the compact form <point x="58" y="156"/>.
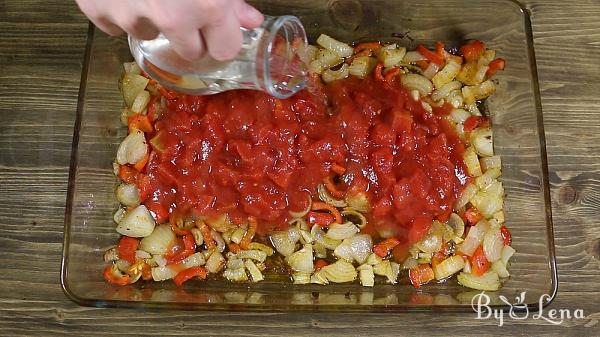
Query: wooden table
<point x="41" y="52"/>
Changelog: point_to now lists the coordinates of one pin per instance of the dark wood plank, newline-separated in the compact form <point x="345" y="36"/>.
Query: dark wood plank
<point x="41" y="50"/>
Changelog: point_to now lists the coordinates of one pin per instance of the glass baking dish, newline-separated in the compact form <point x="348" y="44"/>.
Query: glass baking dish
<point x="516" y="116"/>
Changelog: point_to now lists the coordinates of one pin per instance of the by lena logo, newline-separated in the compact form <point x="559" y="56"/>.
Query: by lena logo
<point x="520" y="311"/>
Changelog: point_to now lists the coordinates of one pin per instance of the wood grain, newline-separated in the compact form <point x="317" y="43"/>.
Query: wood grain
<point x="41" y="50"/>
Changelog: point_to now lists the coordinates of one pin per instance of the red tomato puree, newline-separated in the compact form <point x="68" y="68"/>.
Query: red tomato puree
<point x="245" y="153"/>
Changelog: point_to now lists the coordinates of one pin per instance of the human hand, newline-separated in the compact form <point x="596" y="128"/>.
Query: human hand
<point x="191" y="26"/>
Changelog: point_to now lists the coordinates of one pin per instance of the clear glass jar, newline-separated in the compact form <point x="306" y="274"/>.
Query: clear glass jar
<point x="269" y="60"/>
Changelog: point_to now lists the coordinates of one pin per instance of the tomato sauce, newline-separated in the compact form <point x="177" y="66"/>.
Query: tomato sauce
<point x="245" y="153"/>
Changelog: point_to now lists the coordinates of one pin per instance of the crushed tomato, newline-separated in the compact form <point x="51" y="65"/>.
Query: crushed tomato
<point x="247" y="154"/>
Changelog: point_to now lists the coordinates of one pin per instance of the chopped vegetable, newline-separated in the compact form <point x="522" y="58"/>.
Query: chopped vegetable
<point x="190" y="273"/>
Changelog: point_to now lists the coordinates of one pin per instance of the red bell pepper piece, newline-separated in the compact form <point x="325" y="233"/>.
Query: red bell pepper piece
<point x="431" y="56"/>
<point x="472" y="51"/>
<point x="189" y="273"/>
<point x="319" y="264"/>
<point x="473" y="216"/>
<point x="378" y="72"/>
<point x="128" y="174"/>
<point x="111" y="278"/>
<point x="473" y="122"/>
<point x="383" y="248"/>
<point x="320" y="218"/>
<point x="189" y="248"/>
<point x="506" y="236"/>
<point x="127" y="247"/>
<point x="420" y="275"/>
<point x="479" y="263"/>
<point x="139" y="122"/>
<point x="494" y="66"/>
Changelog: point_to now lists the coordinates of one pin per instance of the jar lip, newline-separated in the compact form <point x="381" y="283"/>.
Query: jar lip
<point x="271" y="87"/>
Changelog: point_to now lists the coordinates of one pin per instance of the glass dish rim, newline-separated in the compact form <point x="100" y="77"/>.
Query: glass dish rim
<point x="531" y="306"/>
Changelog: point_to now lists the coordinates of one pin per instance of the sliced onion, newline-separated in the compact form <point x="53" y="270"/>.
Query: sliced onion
<point x="262" y="247"/>
<point x="163" y="273"/>
<point x="474" y="238"/>
<point x="493" y="243"/>
<point x="317" y="234"/>
<point x="238" y="235"/>
<point x="294" y="234"/>
<point x="255" y="273"/>
<point x="482" y="141"/>
<point x="140" y="254"/>
<point x="488" y="281"/>
<point x="215" y="262"/>
<point x="128" y="194"/>
<point x="119" y="214"/>
<point x="111" y="255"/>
<point x="431" y="70"/>
<point x="344" y="250"/>
<point x="410" y="263"/>
<point x="413" y="56"/>
<point x="457" y="224"/>
<point x="326" y="197"/>
<point x="341" y="231"/>
<point x="507" y="253"/>
<point x="236" y="275"/>
<point x="349" y="212"/>
<point x="252" y="254"/>
<point x="448" y="267"/>
<point x="320" y="251"/>
<point x="459" y="116"/>
<point x="445" y="90"/>
<point x="235" y="263"/>
<point x="430" y="244"/>
<point x="132" y="149"/>
<point x="299" y="223"/>
<point x="374" y="259"/>
<point x="282" y="243"/>
<point x="472" y="162"/>
<point x="334" y="75"/>
<point x="489" y="201"/>
<point x="319" y="278"/>
<point x="301" y="260"/>
<point x="218" y="240"/>
<point x="301" y="278"/>
<point x="493" y="162"/>
<point x="137" y="223"/>
<point x="340" y="272"/>
<point x="159" y="260"/>
<point x="361" y="246"/>
<point x="486" y="179"/>
<point x="340" y="48"/>
<point x="194" y="260"/>
<point x="359" y="202"/>
<point x="455" y="98"/>
<point x="159" y="241"/>
<point x="221" y="223"/>
<point x="446" y="74"/>
<point x="366" y="275"/>
<point x="500" y="269"/>
<point x="417" y="82"/>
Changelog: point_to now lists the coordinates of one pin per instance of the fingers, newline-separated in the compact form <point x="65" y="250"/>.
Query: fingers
<point x="248" y="16"/>
<point x="223" y="38"/>
<point x="188" y="25"/>
<point x="187" y="44"/>
<point x="141" y="28"/>
<point x="98" y="17"/>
